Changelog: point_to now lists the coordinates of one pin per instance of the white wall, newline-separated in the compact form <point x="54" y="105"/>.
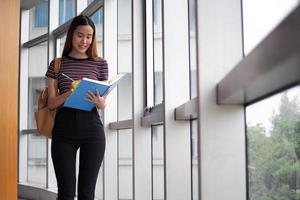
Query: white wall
<point x="222" y="131"/>
<point x="110" y="54"/>
<point x="176" y="92"/>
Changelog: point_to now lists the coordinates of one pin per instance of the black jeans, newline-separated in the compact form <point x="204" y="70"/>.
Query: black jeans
<point x="73" y="130"/>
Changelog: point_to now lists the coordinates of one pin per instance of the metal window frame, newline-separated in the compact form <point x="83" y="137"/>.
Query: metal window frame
<point x="273" y="66"/>
<point x="120" y="125"/>
<point x="36" y="41"/>
<point x="62" y="29"/>
<point x="153" y="116"/>
<point x="187" y="111"/>
<point x="89" y="10"/>
<point x="29" y="131"/>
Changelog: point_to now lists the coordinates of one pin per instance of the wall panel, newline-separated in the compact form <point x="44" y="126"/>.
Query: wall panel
<point x="222" y="128"/>
<point x="9" y="59"/>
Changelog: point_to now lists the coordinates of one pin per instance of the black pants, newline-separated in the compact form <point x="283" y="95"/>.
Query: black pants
<point x="73" y="130"/>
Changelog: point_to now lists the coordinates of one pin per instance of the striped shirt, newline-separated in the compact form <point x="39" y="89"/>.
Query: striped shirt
<point x="77" y="69"/>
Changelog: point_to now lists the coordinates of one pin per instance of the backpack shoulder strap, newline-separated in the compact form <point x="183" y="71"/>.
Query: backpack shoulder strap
<point x="57" y="63"/>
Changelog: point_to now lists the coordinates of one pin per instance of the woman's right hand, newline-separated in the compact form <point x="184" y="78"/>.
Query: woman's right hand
<point x="74" y="85"/>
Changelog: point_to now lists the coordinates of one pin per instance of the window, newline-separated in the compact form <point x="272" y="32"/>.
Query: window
<point x="273" y="124"/>
<point x="124" y="59"/>
<point x="193" y="94"/>
<point x="125" y="164"/>
<point x="273" y="142"/>
<point x="155" y="9"/>
<point x="158" y="165"/>
<point x="41" y="15"/>
<point x="38" y="20"/>
<point x="157" y="52"/>
<point x="258" y="23"/>
<point x="124" y="96"/>
<point x="155" y="95"/>
<point x="60" y="42"/>
<point x="193" y="49"/>
<point x="98" y="16"/>
<point x="89" y="2"/>
<point x="66" y="10"/>
<point x="37" y="148"/>
<point x="97" y="19"/>
<point x="194" y="160"/>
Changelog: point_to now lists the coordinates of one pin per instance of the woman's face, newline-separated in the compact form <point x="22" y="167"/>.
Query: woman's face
<point x="82" y="38"/>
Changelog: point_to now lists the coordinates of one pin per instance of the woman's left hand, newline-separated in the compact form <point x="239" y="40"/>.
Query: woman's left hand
<point x="98" y="100"/>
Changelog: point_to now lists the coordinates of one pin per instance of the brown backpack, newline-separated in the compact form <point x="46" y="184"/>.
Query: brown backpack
<point x="44" y="117"/>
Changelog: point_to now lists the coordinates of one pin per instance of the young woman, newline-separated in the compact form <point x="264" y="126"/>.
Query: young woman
<point x="76" y="129"/>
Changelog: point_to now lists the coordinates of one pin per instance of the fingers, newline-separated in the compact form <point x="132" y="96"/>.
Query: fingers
<point x="90" y="95"/>
<point x="97" y="92"/>
<point x="74" y="85"/>
<point x="89" y="100"/>
<point x="93" y="97"/>
<point x="98" y="100"/>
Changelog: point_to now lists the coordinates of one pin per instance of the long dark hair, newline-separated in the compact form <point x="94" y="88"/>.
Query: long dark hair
<point x="79" y="21"/>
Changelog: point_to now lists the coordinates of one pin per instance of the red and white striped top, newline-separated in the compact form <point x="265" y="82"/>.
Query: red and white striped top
<point x="76" y="69"/>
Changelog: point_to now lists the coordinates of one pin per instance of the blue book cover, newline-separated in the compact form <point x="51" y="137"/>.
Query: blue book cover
<point x="78" y="98"/>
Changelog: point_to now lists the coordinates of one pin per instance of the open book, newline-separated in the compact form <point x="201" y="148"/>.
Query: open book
<point x="78" y="98"/>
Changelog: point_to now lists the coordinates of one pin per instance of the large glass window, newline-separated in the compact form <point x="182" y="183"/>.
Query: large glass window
<point x="193" y="94"/>
<point x="41" y="15"/>
<point x="97" y="19"/>
<point x="158" y="173"/>
<point x="89" y="1"/>
<point x="37" y="160"/>
<point x="195" y="166"/>
<point x="36" y="77"/>
<point x="260" y="17"/>
<point x="66" y="10"/>
<point x="38" y="20"/>
<point x="100" y="185"/>
<point x="125" y="167"/>
<point x="124" y="59"/>
<point x="37" y="145"/>
<point x="155" y="95"/>
<point x="124" y="63"/>
<point x="193" y="49"/>
<point x="273" y="141"/>
<point x="60" y="43"/>
<point x="157" y="52"/>
<point x="273" y="125"/>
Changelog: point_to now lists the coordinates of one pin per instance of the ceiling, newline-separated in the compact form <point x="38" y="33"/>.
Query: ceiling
<point x="27" y="4"/>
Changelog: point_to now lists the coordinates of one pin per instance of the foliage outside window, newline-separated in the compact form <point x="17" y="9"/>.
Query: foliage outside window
<point x="273" y="155"/>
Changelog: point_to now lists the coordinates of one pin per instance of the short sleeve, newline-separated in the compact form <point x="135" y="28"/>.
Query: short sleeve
<point x="103" y="75"/>
<point x="50" y="72"/>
